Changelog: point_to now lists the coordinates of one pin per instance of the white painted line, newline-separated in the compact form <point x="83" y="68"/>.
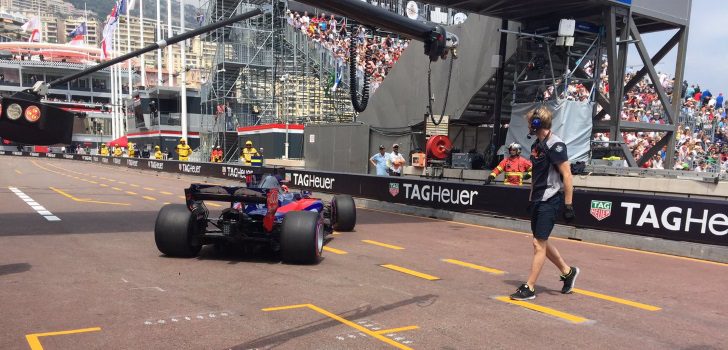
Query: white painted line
<point x="125" y="281"/>
<point x="157" y="288"/>
<point x="33" y="204"/>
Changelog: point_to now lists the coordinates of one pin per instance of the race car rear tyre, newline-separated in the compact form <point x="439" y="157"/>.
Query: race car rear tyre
<point x="343" y="213"/>
<point x="176" y="232"/>
<point x="302" y="237"/>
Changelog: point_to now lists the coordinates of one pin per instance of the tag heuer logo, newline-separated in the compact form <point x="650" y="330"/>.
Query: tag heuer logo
<point x="394" y="189"/>
<point x="601" y="209"/>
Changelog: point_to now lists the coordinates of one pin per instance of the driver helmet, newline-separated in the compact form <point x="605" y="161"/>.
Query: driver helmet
<point x="515" y="146"/>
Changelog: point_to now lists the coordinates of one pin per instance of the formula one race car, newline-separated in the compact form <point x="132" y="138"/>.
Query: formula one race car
<point x="293" y="224"/>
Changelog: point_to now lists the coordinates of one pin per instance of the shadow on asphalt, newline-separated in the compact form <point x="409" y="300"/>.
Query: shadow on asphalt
<point x="377" y="217"/>
<point x="28" y="224"/>
<point x="539" y="288"/>
<point x="239" y="254"/>
<point x="14" y="268"/>
<point x="280" y="338"/>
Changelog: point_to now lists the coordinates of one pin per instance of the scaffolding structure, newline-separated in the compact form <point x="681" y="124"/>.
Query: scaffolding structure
<point x="264" y="71"/>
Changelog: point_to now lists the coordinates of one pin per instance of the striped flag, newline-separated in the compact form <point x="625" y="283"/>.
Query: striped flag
<point x="33" y="26"/>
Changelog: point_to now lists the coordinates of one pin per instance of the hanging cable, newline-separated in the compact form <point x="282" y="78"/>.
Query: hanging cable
<point x="359" y="105"/>
<point x="429" y="91"/>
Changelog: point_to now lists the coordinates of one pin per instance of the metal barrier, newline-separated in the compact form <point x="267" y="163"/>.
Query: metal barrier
<point x="669" y="217"/>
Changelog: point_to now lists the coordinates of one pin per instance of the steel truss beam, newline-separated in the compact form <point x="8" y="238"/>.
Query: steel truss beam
<point x="620" y="25"/>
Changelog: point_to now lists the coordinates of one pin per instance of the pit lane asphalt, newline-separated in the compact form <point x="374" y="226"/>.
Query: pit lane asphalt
<point x="97" y="279"/>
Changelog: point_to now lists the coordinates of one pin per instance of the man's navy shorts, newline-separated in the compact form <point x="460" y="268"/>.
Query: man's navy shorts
<point x="543" y="216"/>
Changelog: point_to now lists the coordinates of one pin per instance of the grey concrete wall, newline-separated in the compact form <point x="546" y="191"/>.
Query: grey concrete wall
<point x="336" y="147"/>
<point x="402" y="98"/>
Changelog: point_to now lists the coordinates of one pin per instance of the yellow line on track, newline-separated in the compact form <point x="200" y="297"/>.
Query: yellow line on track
<point x="116" y="188"/>
<point x="83" y="200"/>
<point x="213" y="204"/>
<point x="617" y="300"/>
<point x="131" y="193"/>
<point x="396" y="330"/>
<point x="343" y="321"/>
<point x="133" y="185"/>
<point x="122" y="182"/>
<point x="181" y="197"/>
<point x="149" y="198"/>
<point x="543" y="309"/>
<point x="385" y="245"/>
<point x="148" y="188"/>
<point x="287" y="307"/>
<point x="18" y="172"/>
<point x="475" y="267"/>
<point x="411" y="272"/>
<point x="93" y="182"/>
<point x="334" y="250"/>
<point x="34" y="342"/>
<point x="552" y="237"/>
<point x="103" y="185"/>
<point x="167" y="193"/>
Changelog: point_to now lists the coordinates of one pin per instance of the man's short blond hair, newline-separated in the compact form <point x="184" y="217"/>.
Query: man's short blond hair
<point x="542" y="112"/>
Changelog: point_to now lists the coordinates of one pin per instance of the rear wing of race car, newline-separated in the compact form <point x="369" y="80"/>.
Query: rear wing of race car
<point x="201" y="192"/>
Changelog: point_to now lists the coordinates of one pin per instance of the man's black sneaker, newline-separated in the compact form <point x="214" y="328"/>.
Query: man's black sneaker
<point x="523" y="293"/>
<point x="569" y="280"/>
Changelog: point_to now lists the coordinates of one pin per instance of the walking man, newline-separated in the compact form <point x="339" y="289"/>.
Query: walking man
<point x="551" y="189"/>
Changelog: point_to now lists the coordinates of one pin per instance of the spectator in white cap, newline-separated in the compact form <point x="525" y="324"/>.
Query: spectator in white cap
<point x="395" y="162"/>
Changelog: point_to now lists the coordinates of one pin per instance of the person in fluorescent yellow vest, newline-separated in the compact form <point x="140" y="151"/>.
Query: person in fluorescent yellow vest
<point x="130" y="149"/>
<point x="184" y="150"/>
<point x="104" y="151"/>
<point x="247" y="153"/>
<point x="117" y="150"/>
<point x="157" y="153"/>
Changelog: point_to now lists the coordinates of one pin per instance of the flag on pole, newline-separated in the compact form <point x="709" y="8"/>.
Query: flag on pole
<point x="121" y="7"/>
<point x="107" y="43"/>
<point x="33" y="26"/>
<point x="78" y="34"/>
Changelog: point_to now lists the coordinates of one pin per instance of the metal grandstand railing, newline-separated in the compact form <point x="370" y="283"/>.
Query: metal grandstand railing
<point x="264" y="72"/>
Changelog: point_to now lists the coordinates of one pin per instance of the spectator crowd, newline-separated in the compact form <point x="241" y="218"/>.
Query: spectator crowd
<point x="336" y="36"/>
<point x="701" y="143"/>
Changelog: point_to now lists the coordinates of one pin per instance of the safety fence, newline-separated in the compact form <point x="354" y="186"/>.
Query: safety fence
<point x="674" y="218"/>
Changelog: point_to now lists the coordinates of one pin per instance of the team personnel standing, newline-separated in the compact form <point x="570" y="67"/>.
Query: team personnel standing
<point x="516" y="168"/>
<point x="551" y="189"/>
<point x="395" y="161"/>
<point x="117" y="150"/>
<point x="130" y="149"/>
<point x="247" y="153"/>
<point x="379" y="161"/>
<point x="104" y="151"/>
<point x="157" y="153"/>
<point x="184" y="150"/>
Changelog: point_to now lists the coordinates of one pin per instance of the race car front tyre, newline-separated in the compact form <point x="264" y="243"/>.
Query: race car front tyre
<point x="176" y="232"/>
<point x="302" y="237"/>
<point x="343" y="213"/>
